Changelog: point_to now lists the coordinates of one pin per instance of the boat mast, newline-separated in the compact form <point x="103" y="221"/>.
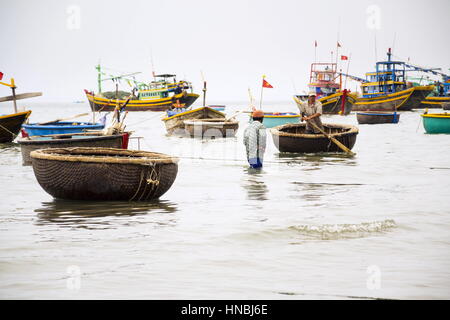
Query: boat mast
<point x="99" y="77"/>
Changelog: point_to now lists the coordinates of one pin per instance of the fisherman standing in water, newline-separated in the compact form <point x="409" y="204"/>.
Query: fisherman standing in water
<point x="311" y="111"/>
<point x="255" y="140"/>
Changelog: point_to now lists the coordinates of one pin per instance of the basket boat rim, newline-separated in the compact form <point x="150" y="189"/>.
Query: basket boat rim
<point x="103" y="155"/>
<point x="277" y="130"/>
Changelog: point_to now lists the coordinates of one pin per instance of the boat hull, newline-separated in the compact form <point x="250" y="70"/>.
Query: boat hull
<point x="436" y="123"/>
<point x="332" y="104"/>
<point x="27" y="145"/>
<point x="211" y="128"/>
<point x="103" y="104"/>
<point x="436" y="102"/>
<point x="11" y="124"/>
<point x="175" y="124"/>
<point x="35" y="129"/>
<point x="402" y="100"/>
<point x="104" y="174"/>
<point x="377" y="117"/>
<point x="291" y="138"/>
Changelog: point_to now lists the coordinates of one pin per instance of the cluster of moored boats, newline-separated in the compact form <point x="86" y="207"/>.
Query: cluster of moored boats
<point x="91" y="160"/>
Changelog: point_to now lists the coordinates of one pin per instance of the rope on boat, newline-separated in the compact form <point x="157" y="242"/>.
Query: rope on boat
<point x="12" y="133"/>
<point x="151" y="178"/>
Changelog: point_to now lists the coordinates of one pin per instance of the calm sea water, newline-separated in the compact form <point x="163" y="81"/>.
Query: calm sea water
<point x="306" y="226"/>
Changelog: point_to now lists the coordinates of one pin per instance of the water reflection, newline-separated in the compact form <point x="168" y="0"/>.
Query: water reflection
<point x="316" y="160"/>
<point x="85" y="214"/>
<point x="253" y="183"/>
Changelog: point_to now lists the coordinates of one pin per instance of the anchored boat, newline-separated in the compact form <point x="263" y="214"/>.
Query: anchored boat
<point x="211" y="128"/>
<point x="36" y="129"/>
<point x="386" y="89"/>
<point x="91" y="139"/>
<point x="373" y="117"/>
<point x="104" y="174"/>
<point x="441" y="98"/>
<point x="174" y="121"/>
<point x="10" y="125"/>
<point x="323" y="81"/>
<point x="158" y="95"/>
<point x="292" y="138"/>
<point x="436" y="122"/>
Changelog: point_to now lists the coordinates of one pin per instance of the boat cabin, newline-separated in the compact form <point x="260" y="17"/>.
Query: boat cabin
<point x="389" y="77"/>
<point x="164" y="86"/>
<point x="322" y="79"/>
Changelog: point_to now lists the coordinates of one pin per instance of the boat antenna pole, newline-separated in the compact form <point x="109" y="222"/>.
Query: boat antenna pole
<point x="348" y="66"/>
<point x="153" y="66"/>
<point x="262" y="88"/>
<point x="204" y="89"/>
<point x="99" y="77"/>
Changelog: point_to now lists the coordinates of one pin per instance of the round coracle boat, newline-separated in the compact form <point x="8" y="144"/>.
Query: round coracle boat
<point x="374" y="117"/>
<point x="211" y="128"/>
<point x="104" y="173"/>
<point x="292" y="138"/>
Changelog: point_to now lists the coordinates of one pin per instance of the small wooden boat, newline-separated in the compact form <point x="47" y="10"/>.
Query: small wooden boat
<point x="273" y="119"/>
<point x="211" y="128"/>
<point x="175" y="123"/>
<point x="436" y="122"/>
<point x="36" y="129"/>
<point x="90" y="139"/>
<point x="372" y="117"/>
<point x="104" y="173"/>
<point x="10" y="125"/>
<point x="292" y="138"/>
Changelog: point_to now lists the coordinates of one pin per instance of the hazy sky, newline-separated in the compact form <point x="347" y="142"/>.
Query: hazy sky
<point x="46" y="46"/>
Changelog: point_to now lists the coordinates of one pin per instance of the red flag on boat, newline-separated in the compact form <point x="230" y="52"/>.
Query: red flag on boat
<point x="266" y="84"/>
<point x="1" y="75"/>
<point x="344" y="58"/>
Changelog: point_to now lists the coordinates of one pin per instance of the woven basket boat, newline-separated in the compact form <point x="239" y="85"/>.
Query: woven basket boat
<point x="104" y="173"/>
<point x="71" y="140"/>
<point x="210" y="128"/>
<point x="292" y="138"/>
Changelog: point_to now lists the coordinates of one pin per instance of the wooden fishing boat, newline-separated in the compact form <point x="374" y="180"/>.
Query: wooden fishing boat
<point x="441" y="96"/>
<point x="323" y="81"/>
<point x="88" y="139"/>
<point x="158" y="95"/>
<point x="10" y="125"/>
<point x="292" y="138"/>
<point x="60" y="127"/>
<point x="373" y="117"/>
<point x="104" y="173"/>
<point x="386" y="89"/>
<point x="436" y="122"/>
<point x="175" y="123"/>
<point x="211" y="128"/>
<point x="273" y="119"/>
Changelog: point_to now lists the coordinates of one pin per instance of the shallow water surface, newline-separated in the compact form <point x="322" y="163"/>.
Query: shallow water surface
<point x="324" y="226"/>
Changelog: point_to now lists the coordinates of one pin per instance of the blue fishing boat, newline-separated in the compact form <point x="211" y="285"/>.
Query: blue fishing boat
<point x="386" y="89"/>
<point x="36" y="129"/>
